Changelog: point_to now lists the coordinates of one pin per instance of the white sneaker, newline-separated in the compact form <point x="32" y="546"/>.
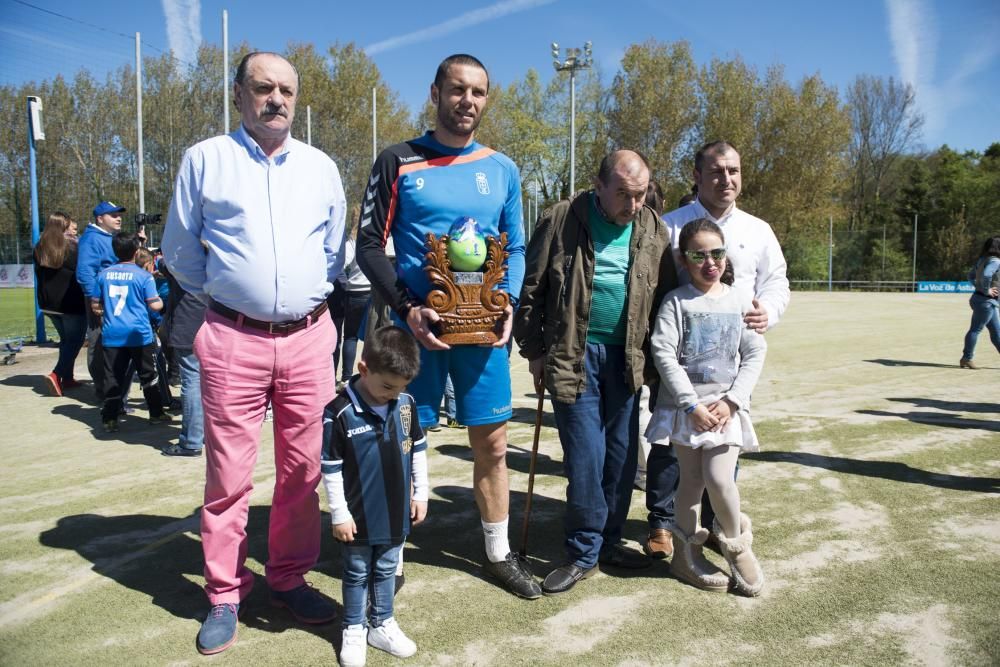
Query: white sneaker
<point x="389" y="637"/>
<point x="353" y="648"/>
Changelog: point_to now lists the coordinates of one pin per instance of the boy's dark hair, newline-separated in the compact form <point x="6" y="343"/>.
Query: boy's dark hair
<point x="392" y="350"/>
<point x="688" y="232"/>
<point x="124" y="246"/>
<point x="459" y="59"/>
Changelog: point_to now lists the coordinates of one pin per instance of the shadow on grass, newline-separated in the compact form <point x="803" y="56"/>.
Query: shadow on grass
<point x="134" y="430"/>
<point x="937" y="419"/>
<point x="954" y="406"/>
<point x="518" y="458"/>
<point x="38" y="385"/>
<point x="527" y="416"/>
<point x="169" y="558"/>
<point x="906" y="362"/>
<point x="891" y="470"/>
<point x="456" y="540"/>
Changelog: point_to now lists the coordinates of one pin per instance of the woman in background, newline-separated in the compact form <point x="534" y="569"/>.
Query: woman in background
<point x="60" y="296"/>
<point x="985" y="277"/>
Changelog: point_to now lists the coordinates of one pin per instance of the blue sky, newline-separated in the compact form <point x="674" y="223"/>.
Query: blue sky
<point x="949" y="50"/>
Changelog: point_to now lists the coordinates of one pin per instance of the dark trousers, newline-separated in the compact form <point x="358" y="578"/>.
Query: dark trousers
<point x="116" y="366"/>
<point x="354" y="315"/>
<point x="336" y="300"/>
<point x="72" y="332"/>
<point x="95" y="358"/>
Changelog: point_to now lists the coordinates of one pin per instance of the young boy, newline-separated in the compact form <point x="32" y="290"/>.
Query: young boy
<point x="128" y="293"/>
<point x="373" y="450"/>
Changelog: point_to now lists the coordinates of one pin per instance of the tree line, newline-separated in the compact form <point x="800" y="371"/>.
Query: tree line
<point x="810" y="153"/>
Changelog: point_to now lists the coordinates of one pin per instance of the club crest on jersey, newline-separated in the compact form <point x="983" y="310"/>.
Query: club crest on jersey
<point x="406" y="418"/>
<point x="407" y="445"/>
<point x="482" y="184"/>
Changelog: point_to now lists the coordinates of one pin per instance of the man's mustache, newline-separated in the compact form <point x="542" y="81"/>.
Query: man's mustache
<point x="275" y="111"/>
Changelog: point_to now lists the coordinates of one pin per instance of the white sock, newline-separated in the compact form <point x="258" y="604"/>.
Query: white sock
<point x="497" y="545"/>
<point x="399" y="565"/>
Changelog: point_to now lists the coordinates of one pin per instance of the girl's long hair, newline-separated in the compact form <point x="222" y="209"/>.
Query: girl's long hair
<point x="703" y="225"/>
<point x="991" y="248"/>
<point x="53" y="246"/>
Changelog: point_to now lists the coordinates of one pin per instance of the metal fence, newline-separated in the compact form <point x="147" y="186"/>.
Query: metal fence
<point x="853" y="285"/>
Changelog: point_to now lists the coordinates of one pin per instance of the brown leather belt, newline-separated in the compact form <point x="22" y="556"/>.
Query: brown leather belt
<point x="274" y="328"/>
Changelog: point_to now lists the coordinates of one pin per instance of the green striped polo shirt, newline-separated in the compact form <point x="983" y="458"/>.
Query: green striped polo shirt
<point x="611" y="261"/>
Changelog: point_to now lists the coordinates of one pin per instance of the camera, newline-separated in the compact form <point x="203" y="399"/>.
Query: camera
<point x="148" y="218"/>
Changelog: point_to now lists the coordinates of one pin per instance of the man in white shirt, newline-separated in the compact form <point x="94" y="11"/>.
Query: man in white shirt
<point x="760" y="269"/>
<point x="256" y="231"/>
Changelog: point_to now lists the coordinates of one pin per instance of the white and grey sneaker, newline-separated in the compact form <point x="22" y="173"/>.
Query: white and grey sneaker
<point x="389" y="637"/>
<point x="353" y="646"/>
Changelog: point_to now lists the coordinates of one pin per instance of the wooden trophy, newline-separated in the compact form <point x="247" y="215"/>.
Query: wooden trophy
<point x="471" y="309"/>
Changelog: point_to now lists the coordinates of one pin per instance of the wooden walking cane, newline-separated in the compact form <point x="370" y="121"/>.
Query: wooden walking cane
<point x="531" y="468"/>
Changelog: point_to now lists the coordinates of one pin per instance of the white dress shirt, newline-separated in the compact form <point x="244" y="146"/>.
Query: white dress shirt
<point x="263" y="236"/>
<point x="758" y="263"/>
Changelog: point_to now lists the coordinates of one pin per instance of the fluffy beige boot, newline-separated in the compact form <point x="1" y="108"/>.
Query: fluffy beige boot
<point x="690" y="565"/>
<point x="746" y="570"/>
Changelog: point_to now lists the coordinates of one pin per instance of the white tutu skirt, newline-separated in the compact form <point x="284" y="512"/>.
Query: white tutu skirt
<point x="671" y="425"/>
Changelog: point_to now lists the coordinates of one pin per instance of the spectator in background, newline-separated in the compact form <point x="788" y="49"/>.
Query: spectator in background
<point x="95" y="255"/>
<point x="127" y="294"/>
<point x="60" y="296"/>
<point x="985" y="277"/>
<point x="357" y="292"/>
<point x="654" y="200"/>
<point x="146" y="260"/>
<point x="182" y="318"/>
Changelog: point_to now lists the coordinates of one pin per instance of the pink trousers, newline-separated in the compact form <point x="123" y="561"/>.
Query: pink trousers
<point x="241" y="370"/>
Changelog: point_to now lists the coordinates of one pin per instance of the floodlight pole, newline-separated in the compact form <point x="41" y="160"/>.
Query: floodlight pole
<point x="829" y="261"/>
<point x="914" y="252"/>
<point x="575" y="60"/>
<point x="225" y="71"/>
<point x="374" y="126"/>
<point x="35" y="115"/>
<point x="138" y="122"/>
<point x="309" y="125"/>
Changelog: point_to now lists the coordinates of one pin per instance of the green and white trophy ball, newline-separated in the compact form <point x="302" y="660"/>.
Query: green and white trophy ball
<point x="466" y="245"/>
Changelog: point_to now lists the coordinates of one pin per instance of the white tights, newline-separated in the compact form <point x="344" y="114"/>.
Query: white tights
<point x="710" y="469"/>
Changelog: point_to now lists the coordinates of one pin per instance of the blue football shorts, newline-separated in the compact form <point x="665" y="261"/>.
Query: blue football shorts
<point x="481" y="376"/>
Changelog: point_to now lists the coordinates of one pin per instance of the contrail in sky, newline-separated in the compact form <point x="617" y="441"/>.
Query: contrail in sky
<point x="183" y="28"/>
<point x="466" y="20"/>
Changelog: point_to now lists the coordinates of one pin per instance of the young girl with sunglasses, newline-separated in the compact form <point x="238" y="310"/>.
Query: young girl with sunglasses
<point x="709" y="362"/>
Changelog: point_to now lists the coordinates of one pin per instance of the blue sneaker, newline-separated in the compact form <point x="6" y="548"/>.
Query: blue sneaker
<point x="218" y="632"/>
<point x="306" y="604"/>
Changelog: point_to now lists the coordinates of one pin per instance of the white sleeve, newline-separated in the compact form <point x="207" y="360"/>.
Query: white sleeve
<point x="421" y="490"/>
<point x="333" y="242"/>
<point x="771" y="286"/>
<point x="334" y="484"/>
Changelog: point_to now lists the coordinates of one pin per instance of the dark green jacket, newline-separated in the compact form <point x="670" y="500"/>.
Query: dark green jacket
<point x="554" y="311"/>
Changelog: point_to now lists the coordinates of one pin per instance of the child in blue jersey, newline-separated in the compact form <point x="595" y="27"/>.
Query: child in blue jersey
<point x="127" y="294"/>
<point x="374" y="454"/>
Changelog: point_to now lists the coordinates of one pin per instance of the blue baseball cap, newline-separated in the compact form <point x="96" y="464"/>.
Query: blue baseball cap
<point x="107" y="207"/>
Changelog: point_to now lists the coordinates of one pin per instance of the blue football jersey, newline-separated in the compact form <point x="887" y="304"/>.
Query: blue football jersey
<point x="125" y="291"/>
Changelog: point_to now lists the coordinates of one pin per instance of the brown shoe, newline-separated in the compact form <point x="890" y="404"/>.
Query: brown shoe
<point x="659" y="545"/>
<point x="967" y="363"/>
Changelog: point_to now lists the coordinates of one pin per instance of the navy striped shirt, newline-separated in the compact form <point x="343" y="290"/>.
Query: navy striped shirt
<point x="375" y="458"/>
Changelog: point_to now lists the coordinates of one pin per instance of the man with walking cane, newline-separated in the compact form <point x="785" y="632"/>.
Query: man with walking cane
<point x="597" y="267"/>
